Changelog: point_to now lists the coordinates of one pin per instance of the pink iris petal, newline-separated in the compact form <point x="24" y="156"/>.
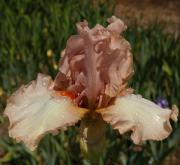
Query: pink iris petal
<point x="97" y="64"/>
<point x="35" y="110"/>
<point x="145" y="119"/>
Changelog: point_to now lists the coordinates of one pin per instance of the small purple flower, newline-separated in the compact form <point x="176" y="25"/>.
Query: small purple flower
<point x="162" y="102"/>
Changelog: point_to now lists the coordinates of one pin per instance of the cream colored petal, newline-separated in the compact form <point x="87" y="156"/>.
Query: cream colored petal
<point x="35" y="110"/>
<point x="146" y="120"/>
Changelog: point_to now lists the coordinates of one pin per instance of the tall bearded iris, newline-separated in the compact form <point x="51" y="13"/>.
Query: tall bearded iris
<point x="91" y="86"/>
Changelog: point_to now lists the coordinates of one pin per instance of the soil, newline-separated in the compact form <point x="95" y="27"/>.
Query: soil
<point x="147" y="11"/>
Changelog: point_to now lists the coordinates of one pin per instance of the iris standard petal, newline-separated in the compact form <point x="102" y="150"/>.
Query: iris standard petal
<point x="36" y="109"/>
<point x="145" y="119"/>
<point x="96" y="65"/>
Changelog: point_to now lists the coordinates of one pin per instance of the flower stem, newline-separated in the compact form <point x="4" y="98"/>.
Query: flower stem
<point x="92" y="137"/>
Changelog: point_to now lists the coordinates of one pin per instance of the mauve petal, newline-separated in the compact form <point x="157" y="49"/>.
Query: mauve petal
<point x="35" y="110"/>
<point x="145" y="119"/>
<point x="61" y="82"/>
<point x="116" y="25"/>
<point x="101" y="59"/>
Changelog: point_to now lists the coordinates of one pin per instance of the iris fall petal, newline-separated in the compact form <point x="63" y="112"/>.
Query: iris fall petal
<point x="146" y="120"/>
<point x="36" y="109"/>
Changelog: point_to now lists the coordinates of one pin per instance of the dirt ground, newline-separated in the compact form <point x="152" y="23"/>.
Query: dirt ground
<point x="145" y="11"/>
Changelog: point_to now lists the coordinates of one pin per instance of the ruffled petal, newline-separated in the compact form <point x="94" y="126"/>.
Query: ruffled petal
<point x="35" y="110"/>
<point x="146" y="120"/>
<point x="97" y="64"/>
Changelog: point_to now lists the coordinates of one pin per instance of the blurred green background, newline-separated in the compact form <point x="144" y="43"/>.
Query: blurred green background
<point x="32" y="36"/>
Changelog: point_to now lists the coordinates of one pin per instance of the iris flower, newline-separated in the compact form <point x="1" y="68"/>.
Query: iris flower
<point x="91" y="86"/>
